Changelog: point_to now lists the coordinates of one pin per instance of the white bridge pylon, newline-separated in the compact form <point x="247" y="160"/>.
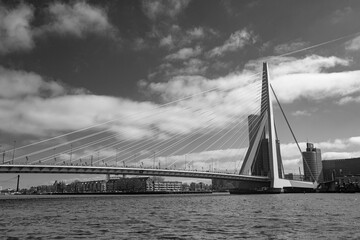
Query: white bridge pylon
<point x="263" y="156"/>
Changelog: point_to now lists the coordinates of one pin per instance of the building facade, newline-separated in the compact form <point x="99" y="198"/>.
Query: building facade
<point x="167" y="186"/>
<point x="86" y="187"/>
<point x="142" y="184"/>
<point x="312" y="163"/>
<point x="139" y="184"/>
<point x="261" y="165"/>
<point x="340" y="168"/>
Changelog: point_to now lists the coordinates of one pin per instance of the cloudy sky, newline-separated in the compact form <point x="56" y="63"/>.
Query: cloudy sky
<point x="115" y="65"/>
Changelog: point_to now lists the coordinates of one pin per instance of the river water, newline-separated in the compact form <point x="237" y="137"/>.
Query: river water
<point x="283" y="216"/>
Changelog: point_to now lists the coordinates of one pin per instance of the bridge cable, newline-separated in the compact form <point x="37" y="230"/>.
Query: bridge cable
<point x="318" y="45"/>
<point x="235" y="118"/>
<point x="182" y="140"/>
<point x="240" y="123"/>
<point x="175" y="142"/>
<point x="109" y="121"/>
<point x="238" y="137"/>
<point x="292" y="132"/>
<point x="176" y="160"/>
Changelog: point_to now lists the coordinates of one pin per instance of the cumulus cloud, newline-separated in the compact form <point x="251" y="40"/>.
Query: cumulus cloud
<point x="156" y="9"/>
<point x="16" y="32"/>
<point x="21" y="84"/>
<point x="184" y="53"/>
<point x="78" y="19"/>
<point x="310" y="77"/>
<point x="336" y="155"/>
<point x="348" y="99"/>
<point x="355" y="140"/>
<point x="236" y="41"/>
<point x="182" y="86"/>
<point x="167" y="41"/>
<point x="38" y="116"/>
<point x="174" y="36"/>
<point x="330" y="149"/>
<point x="334" y="148"/>
<point x="191" y="67"/>
<point x="196" y="33"/>
<point x="291" y="65"/>
<point x="50" y="108"/>
<point x="332" y="85"/>
<point x="353" y="45"/>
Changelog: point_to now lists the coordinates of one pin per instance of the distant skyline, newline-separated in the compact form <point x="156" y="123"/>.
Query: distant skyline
<point x="66" y="65"/>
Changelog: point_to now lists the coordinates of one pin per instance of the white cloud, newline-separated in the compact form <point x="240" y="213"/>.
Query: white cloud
<point x="184" y="53"/>
<point x="348" y="99"/>
<point x="331" y="149"/>
<point x="50" y="108"/>
<point x="15" y="30"/>
<point x="155" y="9"/>
<point x="292" y="165"/>
<point x="167" y="41"/>
<point x="353" y="45"/>
<point x="355" y="140"/>
<point x="301" y="113"/>
<point x="309" y="64"/>
<point x="336" y="155"/>
<point x="309" y="77"/>
<point x="289" y="47"/>
<point x="328" y="85"/>
<point x="338" y="144"/>
<point x="78" y="19"/>
<point x="292" y="78"/>
<point x="196" y="33"/>
<point x="38" y="116"/>
<point x="175" y="37"/>
<point x="236" y="41"/>
<point x="21" y="84"/>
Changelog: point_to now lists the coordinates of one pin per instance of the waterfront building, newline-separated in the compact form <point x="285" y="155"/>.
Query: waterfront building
<point x="167" y="186"/>
<point x="312" y="163"/>
<point x="341" y="169"/>
<point x="142" y="184"/>
<point x="138" y="184"/>
<point x="85" y="187"/>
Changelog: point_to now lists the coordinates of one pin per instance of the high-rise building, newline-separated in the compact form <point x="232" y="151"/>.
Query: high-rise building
<point x="312" y="163"/>
<point x="261" y="165"/>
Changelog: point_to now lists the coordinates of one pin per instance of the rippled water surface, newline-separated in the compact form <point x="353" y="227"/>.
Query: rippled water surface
<point x="284" y="216"/>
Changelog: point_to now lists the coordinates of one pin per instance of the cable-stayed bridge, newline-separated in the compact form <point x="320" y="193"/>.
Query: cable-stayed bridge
<point x="177" y="139"/>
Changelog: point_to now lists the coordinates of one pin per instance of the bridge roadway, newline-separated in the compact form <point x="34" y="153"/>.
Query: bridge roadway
<point x="60" y="169"/>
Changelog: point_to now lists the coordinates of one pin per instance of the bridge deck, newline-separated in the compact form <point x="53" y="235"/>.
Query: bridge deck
<point x="56" y="169"/>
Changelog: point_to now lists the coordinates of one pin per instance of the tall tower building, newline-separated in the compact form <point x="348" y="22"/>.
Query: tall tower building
<point x="312" y="163"/>
<point x="261" y="165"/>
